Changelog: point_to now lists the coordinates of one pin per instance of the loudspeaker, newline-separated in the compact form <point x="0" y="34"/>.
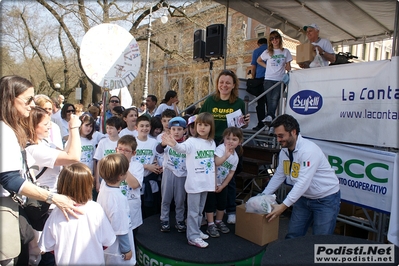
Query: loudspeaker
<point x="199" y="45"/>
<point x="214" y="46"/>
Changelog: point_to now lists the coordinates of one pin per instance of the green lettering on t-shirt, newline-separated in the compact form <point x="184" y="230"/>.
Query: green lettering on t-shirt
<point x="205" y="154"/>
<point x="144" y="152"/>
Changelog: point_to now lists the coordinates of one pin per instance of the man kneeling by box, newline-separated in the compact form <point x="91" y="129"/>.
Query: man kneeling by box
<point x="315" y="194"/>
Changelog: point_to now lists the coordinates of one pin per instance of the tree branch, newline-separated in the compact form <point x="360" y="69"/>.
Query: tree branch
<point x="75" y="46"/>
<point x="82" y="15"/>
<point x="49" y="79"/>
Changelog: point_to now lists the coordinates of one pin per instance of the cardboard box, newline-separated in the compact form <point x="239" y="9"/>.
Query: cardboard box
<point x="305" y="53"/>
<point x="254" y="227"/>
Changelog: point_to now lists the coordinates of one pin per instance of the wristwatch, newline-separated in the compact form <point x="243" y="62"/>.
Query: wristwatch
<point x="49" y="199"/>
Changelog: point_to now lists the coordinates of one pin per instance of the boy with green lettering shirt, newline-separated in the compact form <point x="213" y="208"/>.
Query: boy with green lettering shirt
<point x="108" y="144"/>
<point x="145" y="154"/>
<point x="173" y="177"/>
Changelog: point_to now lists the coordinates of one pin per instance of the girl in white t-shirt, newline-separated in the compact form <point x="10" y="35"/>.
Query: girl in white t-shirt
<point x="226" y="160"/>
<point x="200" y="163"/>
<point x="129" y="116"/>
<point x="81" y="240"/>
<point x="88" y="143"/>
<point x="169" y="102"/>
<point x="114" y="169"/>
<point x="278" y="61"/>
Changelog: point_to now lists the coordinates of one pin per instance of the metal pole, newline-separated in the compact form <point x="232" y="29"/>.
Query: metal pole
<point x="225" y="35"/>
<point x="395" y="44"/>
<point x="147" y="61"/>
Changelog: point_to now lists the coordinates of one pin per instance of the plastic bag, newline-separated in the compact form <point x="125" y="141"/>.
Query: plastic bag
<point x="286" y="78"/>
<point x="261" y="203"/>
<point x="317" y="60"/>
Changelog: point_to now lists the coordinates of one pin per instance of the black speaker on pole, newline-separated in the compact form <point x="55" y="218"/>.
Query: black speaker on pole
<point x="199" y="45"/>
<point x="214" y="45"/>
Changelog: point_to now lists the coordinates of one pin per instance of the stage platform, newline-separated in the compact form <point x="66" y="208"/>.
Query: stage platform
<point x="158" y="248"/>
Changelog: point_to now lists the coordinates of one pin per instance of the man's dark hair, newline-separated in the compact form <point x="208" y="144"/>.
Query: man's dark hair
<point x="262" y="41"/>
<point x="153" y="98"/>
<point x="114" y="96"/>
<point x="288" y="121"/>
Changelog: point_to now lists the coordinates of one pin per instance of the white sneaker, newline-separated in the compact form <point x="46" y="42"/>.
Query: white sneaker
<point x="198" y="242"/>
<point x="271" y="131"/>
<point x="203" y="236"/>
<point x="267" y="120"/>
<point x="231" y="219"/>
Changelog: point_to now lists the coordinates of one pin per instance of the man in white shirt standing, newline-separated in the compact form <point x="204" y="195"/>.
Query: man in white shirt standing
<point x="315" y="195"/>
<point x="323" y="45"/>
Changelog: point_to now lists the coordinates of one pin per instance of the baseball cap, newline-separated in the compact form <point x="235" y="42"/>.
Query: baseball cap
<point x="313" y="25"/>
<point x="191" y="119"/>
<point x="177" y="122"/>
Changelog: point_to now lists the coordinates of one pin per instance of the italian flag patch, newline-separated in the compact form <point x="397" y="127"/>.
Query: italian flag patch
<point x="306" y="163"/>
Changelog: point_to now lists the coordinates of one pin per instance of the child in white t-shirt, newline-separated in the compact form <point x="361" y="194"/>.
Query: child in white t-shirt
<point x="131" y="186"/>
<point x="146" y="154"/>
<point x="108" y="144"/>
<point x="114" y="169"/>
<point x="166" y="116"/>
<point x="200" y="163"/>
<point x="80" y="241"/>
<point x="87" y="142"/>
<point x="173" y="177"/>
<point x="226" y="160"/>
<point x="129" y="116"/>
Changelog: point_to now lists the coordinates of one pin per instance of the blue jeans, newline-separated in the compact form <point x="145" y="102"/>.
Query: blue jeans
<point x="321" y="214"/>
<point x="272" y="97"/>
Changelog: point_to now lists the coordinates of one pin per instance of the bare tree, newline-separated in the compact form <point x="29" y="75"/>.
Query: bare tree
<point x="105" y="11"/>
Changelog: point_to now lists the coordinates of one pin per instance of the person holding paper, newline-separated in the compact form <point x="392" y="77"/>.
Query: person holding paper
<point x="225" y="101"/>
<point x="323" y="45"/>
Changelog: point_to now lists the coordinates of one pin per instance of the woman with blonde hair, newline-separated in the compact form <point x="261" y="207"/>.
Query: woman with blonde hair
<point x="46" y="103"/>
<point x="278" y="61"/>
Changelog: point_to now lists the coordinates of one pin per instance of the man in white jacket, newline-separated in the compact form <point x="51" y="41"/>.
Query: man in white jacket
<point x="315" y="194"/>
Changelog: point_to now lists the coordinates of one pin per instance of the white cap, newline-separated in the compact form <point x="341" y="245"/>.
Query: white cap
<point x="313" y="25"/>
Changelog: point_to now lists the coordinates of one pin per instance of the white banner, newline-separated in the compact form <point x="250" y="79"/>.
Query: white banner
<point x="366" y="175"/>
<point x="353" y="103"/>
<point x="126" y="98"/>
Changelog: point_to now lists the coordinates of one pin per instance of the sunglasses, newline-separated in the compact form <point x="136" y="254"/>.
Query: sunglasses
<point x="274" y="38"/>
<point x="114" y="101"/>
<point x="70" y="111"/>
<point x="27" y="101"/>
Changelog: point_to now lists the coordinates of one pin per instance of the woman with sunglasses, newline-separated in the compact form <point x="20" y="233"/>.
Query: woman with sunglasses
<point x="278" y="61"/>
<point x="113" y="102"/>
<point x="66" y="112"/>
<point x="16" y="97"/>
